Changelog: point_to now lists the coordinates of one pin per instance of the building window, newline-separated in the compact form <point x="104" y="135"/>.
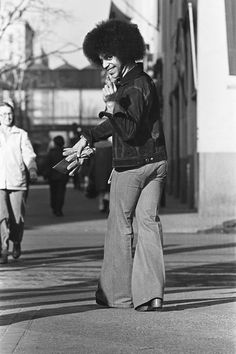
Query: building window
<point x="230" y="9"/>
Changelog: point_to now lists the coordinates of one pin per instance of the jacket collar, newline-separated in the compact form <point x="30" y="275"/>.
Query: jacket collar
<point x="14" y="129"/>
<point x="132" y="74"/>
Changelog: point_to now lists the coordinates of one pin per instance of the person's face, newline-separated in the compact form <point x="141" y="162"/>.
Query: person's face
<point x="6" y="116"/>
<point x="112" y="65"/>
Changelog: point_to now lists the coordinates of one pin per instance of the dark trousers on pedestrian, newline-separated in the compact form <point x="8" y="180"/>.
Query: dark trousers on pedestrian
<point x="57" y="195"/>
<point x="12" y="214"/>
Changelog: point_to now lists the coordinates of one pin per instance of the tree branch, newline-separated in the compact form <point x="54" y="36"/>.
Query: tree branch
<point x="23" y="64"/>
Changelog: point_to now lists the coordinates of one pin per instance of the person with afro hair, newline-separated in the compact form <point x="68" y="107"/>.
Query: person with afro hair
<point x="132" y="117"/>
<point x="120" y="39"/>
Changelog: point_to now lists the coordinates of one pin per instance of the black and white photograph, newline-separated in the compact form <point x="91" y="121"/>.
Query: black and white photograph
<point x="118" y="177"/>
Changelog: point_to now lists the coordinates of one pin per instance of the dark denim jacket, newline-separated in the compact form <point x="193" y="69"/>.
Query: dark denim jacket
<point x="135" y="124"/>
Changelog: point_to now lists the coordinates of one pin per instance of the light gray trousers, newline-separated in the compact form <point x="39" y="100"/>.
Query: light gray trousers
<point x="126" y="282"/>
<point x="12" y="213"/>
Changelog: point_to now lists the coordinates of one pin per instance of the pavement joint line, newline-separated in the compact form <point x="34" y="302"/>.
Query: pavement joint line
<point x="28" y="325"/>
<point x="16" y="332"/>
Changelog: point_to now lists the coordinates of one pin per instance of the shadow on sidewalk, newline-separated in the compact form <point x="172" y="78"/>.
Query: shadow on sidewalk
<point x="186" y="304"/>
<point x="34" y="314"/>
<point x="54" y="256"/>
<point x="213" y="275"/>
<point x="47" y="312"/>
<point x="86" y="254"/>
<point x="198" y="248"/>
<point x="79" y="267"/>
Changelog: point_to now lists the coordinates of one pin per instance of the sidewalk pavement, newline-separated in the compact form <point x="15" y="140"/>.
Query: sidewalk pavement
<point x="47" y="296"/>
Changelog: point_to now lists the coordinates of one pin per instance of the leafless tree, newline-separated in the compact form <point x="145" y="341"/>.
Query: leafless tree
<point x="12" y="11"/>
<point x="42" y="13"/>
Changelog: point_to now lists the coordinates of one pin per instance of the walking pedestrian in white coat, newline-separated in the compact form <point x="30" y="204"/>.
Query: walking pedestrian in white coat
<point x="17" y="167"/>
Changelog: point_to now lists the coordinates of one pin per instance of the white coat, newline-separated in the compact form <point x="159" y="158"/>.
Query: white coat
<point x="16" y="156"/>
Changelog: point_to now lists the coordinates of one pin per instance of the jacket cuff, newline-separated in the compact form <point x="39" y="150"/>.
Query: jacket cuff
<point x="105" y="114"/>
<point x="88" y="136"/>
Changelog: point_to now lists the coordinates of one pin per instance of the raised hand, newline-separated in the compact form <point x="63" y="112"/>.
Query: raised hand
<point x="109" y="93"/>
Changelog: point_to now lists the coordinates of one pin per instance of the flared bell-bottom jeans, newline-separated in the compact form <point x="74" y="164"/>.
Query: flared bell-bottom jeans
<point x="12" y="214"/>
<point x="126" y="282"/>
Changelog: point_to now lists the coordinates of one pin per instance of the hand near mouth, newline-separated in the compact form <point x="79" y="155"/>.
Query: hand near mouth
<point x="109" y="93"/>
<point x="108" y="79"/>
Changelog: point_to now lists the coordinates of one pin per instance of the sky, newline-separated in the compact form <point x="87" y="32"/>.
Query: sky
<point x="83" y="16"/>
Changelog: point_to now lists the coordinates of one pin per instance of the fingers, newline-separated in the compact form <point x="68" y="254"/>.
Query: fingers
<point x="80" y="144"/>
<point x="107" y="91"/>
<point x="76" y="169"/>
<point x="108" y="94"/>
<point x="74" y="156"/>
<point x="110" y="88"/>
<point x="76" y="150"/>
<point x="71" y="173"/>
<point x="108" y="80"/>
<point x="71" y="157"/>
<point x="71" y="154"/>
<point x="68" y="151"/>
<point x="72" y="165"/>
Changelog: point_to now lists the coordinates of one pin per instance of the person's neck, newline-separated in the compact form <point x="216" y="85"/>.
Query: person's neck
<point x="127" y="68"/>
<point x="6" y="128"/>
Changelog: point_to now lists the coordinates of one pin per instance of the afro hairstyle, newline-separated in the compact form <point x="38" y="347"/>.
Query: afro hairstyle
<point x="116" y="38"/>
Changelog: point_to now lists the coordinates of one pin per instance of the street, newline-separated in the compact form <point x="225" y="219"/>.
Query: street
<point x="47" y="296"/>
